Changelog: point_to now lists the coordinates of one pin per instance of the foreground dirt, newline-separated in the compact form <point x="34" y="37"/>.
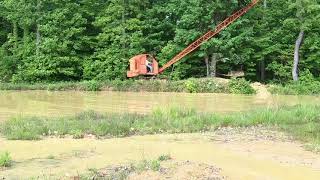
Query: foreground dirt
<point x="253" y="153"/>
<point x="170" y="170"/>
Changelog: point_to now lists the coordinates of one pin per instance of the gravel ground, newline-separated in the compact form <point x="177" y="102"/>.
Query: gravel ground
<point x="169" y="170"/>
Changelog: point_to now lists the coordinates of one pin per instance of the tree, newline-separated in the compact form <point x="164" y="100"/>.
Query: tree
<point x="121" y="37"/>
<point x="306" y="19"/>
<point x="65" y="40"/>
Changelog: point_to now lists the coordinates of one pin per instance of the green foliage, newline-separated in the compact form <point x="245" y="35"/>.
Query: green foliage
<point x="307" y="85"/>
<point x="297" y="88"/>
<point x="5" y="159"/>
<point x="63" y="40"/>
<point x="204" y="86"/>
<point x="240" y="86"/>
<point x="209" y="85"/>
<point x="165" y="157"/>
<point x="51" y="157"/>
<point x="301" y="121"/>
<point x="145" y="165"/>
<point x="22" y="129"/>
<point x="77" y="134"/>
<point x="191" y="86"/>
<point x="92" y="85"/>
<point x="123" y="172"/>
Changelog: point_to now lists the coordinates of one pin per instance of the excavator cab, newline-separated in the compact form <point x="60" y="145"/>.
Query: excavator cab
<point x="144" y="64"/>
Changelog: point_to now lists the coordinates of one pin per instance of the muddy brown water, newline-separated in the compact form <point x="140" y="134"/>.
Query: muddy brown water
<point x="45" y="103"/>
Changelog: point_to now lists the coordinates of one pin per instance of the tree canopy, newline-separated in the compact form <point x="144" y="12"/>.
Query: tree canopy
<point x="74" y="40"/>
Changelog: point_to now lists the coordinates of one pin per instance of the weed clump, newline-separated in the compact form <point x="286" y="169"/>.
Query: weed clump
<point x="164" y="157"/>
<point x="5" y="159"/>
<point x="123" y="172"/>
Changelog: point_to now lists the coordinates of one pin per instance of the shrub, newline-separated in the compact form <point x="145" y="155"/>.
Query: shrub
<point x="5" y="159"/>
<point x="240" y="86"/>
<point x="191" y="86"/>
<point x="92" y="85"/>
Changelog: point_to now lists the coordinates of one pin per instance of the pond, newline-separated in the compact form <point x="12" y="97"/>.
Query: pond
<point x="46" y="103"/>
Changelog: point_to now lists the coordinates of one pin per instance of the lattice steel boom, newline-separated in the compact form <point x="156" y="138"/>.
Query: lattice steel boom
<point x="193" y="46"/>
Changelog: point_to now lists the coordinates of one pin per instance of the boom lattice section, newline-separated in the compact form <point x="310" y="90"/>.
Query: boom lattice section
<point x="193" y="46"/>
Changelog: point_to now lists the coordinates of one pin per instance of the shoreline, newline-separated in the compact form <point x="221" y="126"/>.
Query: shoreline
<point x="205" y="85"/>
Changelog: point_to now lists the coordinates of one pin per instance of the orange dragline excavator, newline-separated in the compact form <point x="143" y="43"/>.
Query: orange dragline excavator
<point x="147" y="65"/>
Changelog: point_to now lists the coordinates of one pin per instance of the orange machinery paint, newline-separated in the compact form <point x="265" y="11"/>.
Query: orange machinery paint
<point x="138" y="66"/>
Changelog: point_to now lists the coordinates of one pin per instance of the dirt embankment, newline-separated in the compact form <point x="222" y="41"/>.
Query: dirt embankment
<point x="261" y="89"/>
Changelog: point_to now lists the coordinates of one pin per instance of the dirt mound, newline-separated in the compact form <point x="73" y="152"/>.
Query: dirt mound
<point x="168" y="170"/>
<point x="262" y="90"/>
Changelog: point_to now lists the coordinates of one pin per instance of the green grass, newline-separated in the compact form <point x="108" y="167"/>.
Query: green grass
<point x="60" y="86"/>
<point x="236" y="86"/>
<point x="302" y="121"/>
<point x="122" y="172"/>
<point x="5" y="159"/>
<point x="51" y="157"/>
<point x="297" y="88"/>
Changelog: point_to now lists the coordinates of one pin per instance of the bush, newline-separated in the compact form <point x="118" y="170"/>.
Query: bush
<point x="240" y="86"/>
<point x="5" y="159"/>
<point x="92" y="85"/>
<point x="191" y="86"/>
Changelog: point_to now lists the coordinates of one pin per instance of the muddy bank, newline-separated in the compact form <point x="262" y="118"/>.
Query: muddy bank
<point x="239" y="153"/>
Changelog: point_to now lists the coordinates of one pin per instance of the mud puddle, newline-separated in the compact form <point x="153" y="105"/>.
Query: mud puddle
<point x="240" y="154"/>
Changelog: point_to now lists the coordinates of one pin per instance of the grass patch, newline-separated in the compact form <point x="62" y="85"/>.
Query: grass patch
<point x="302" y="121"/>
<point x="51" y="157"/>
<point x="164" y="157"/>
<point x="307" y="85"/>
<point x="206" y="85"/>
<point x="5" y="159"/>
<point x="123" y="172"/>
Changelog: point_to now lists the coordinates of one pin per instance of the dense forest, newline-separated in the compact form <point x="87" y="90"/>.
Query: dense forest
<point x="75" y="40"/>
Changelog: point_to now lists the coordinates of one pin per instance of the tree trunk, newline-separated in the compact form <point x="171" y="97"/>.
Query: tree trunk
<point x="213" y="68"/>
<point x="206" y="60"/>
<point x="297" y="56"/>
